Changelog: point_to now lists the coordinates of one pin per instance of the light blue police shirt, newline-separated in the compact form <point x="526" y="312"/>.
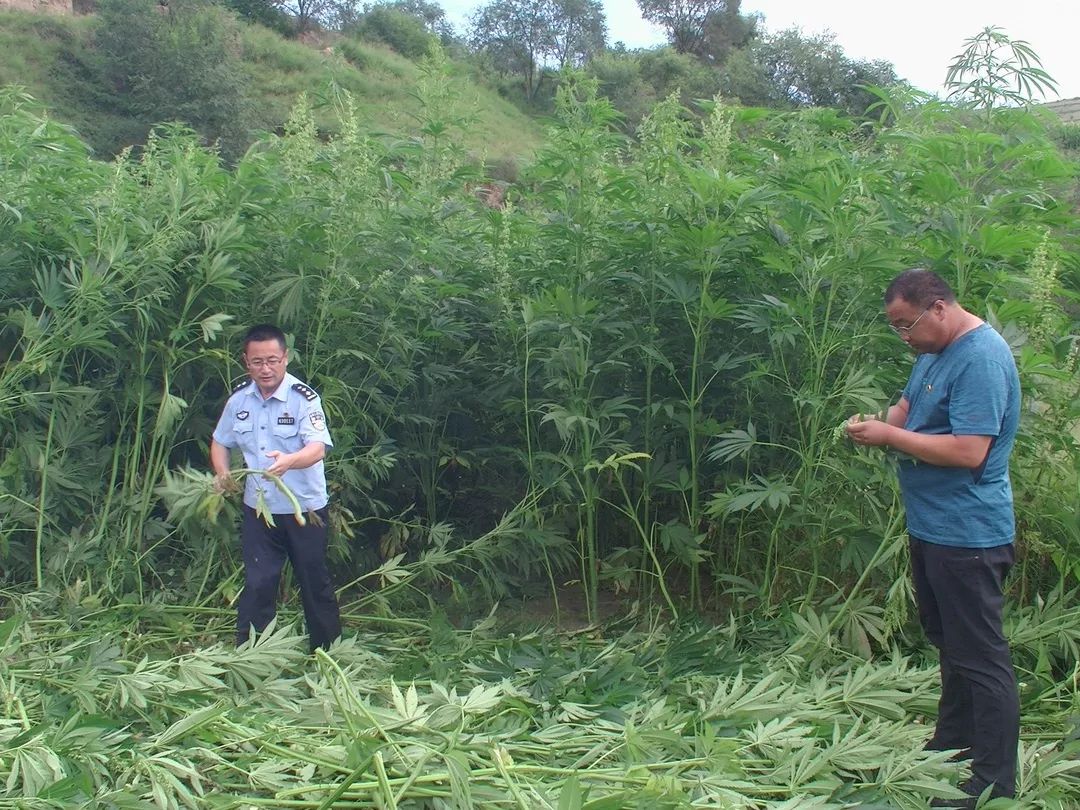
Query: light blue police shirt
<point x="287" y="420"/>
<point x="970" y="388"/>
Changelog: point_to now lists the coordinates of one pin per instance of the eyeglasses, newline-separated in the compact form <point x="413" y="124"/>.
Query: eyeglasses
<point x="906" y="330"/>
<point x="268" y="362"/>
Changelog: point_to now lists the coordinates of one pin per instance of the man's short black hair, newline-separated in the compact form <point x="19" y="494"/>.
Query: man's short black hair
<point x="265" y="331"/>
<point x="920" y="288"/>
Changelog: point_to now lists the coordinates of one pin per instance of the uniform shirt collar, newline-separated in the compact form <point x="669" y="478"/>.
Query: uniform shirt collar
<point x="280" y="393"/>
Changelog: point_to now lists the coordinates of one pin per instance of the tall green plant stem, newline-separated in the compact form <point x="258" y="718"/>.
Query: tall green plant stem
<point x="587" y="485"/>
<point x="530" y="458"/>
<point x="39" y="538"/>
<point x="646" y="519"/>
<point x="645" y="532"/>
<point x="698" y="329"/>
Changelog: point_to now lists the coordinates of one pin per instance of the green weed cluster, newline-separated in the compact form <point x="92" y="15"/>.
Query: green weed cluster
<point x="623" y="370"/>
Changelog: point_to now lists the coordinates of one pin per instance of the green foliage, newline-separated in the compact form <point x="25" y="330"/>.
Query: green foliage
<point x="709" y="29"/>
<point x="725" y="31"/>
<point x="430" y="14"/>
<point x="264" y="12"/>
<point x="403" y="32"/>
<point x="1068" y="136"/>
<point x="54" y="58"/>
<point x="121" y="705"/>
<point x="309" y="15"/>
<point x="58" y="61"/>
<point x="636" y="81"/>
<point x="625" y="369"/>
<point x="181" y="64"/>
<point x="789" y="69"/>
<point x="779" y="71"/>
<point x="525" y="37"/>
<point x="994" y="69"/>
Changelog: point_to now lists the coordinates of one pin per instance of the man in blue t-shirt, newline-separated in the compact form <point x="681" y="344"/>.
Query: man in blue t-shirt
<point x="957" y="421"/>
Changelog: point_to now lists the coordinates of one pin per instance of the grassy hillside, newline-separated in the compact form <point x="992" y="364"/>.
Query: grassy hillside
<point x="55" y="59"/>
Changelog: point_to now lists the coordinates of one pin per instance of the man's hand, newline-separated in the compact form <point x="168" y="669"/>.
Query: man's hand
<point x="282" y="462"/>
<point x="869" y="431"/>
<point x="226" y="484"/>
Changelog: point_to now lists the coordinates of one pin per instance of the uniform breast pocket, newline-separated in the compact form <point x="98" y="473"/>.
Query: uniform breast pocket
<point x="287" y="437"/>
<point x="243" y="430"/>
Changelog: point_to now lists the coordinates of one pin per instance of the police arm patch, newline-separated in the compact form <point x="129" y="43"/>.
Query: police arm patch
<point x="318" y="421"/>
<point x="305" y="391"/>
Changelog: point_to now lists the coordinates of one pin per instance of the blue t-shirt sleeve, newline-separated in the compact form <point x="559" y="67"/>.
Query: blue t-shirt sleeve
<point x="979" y="397"/>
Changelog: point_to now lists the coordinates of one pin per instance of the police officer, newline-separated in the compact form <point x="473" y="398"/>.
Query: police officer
<point x="278" y="424"/>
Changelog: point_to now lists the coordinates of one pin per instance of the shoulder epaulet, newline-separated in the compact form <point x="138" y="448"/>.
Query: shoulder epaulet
<point x="306" y="392"/>
<point x="241" y="384"/>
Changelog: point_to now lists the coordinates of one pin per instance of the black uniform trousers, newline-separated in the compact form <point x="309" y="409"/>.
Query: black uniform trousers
<point x="959" y="593"/>
<point x="265" y="549"/>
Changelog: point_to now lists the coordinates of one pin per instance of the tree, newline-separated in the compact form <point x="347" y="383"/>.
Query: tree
<point x="792" y="70"/>
<point x="309" y="13"/>
<point x="515" y="36"/>
<point x="407" y="26"/>
<point x="700" y="26"/>
<point x="525" y="36"/>
<point x="403" y="32"/>
<point x="579" y="31"/>
<point x="430" y="14"/>
<point x="725" y="31"/>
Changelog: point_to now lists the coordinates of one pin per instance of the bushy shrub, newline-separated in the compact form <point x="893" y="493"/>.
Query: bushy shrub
<point x="635" y="81"/>
<point x="666" y="70"/>
<point x="180" y="63"/>
<point x="1068" y="135"/>
<point x="403" y="32"/>
<point x="619" y="77"/>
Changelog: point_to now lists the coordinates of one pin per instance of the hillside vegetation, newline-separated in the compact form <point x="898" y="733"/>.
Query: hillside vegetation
<point x="629" y="378"/>
<point x="58" y="61"/>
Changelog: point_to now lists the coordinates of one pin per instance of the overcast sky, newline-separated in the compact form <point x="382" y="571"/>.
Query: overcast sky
<point x="920" y="37"/>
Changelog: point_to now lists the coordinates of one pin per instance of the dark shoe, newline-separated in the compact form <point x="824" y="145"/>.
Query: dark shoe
<point x="961" y="804"/>
<point x="973" y="789"/>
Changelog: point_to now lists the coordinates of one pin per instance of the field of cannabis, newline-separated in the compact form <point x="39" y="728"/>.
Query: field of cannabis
<point x="137" y="706"/>
<point x="621" y="377"/>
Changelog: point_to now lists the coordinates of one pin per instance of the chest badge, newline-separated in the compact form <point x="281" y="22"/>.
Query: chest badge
<point x="242" y="415"/>
<point x="286" y="420"/>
